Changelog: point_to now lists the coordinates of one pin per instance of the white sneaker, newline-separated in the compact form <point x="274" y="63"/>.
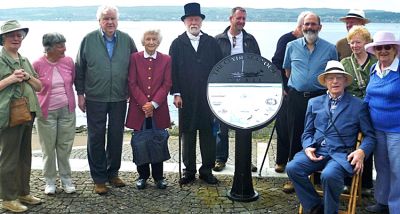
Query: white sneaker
<point x="50" y="189"/>
<point x="69" y="188"/>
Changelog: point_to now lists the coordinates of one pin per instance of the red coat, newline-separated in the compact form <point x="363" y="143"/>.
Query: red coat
<point x="149" y="80"/>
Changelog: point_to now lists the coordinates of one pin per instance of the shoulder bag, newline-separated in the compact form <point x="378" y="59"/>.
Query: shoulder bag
<point x="150" y="146"/>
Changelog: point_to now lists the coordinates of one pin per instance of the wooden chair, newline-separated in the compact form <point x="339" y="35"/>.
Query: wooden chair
<point x="352" y="198"/>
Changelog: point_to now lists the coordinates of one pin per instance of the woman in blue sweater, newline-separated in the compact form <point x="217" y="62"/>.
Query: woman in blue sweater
<point x="383" y="98"/>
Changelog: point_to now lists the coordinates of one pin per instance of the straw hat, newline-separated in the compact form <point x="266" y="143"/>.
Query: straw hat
<point x="383" y="38"/>
<point x="192" y="9"/>
<point x="11" y="26"/>
<point x="355" y="13"/>
<point x="334" y="67"/>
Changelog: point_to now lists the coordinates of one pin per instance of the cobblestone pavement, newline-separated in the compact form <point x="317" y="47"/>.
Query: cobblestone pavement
<point x="197" y="197"/>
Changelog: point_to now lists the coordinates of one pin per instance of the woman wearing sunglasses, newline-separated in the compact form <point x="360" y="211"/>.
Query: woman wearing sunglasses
<point x="383" y="98"/>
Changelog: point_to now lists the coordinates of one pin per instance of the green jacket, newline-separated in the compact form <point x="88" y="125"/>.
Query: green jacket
<point x="99" y="77"/>
<point x="354" y="88"/>
<point x="13" y="90"/>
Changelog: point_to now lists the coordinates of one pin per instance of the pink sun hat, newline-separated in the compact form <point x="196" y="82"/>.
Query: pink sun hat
<point x="383" y="38"/>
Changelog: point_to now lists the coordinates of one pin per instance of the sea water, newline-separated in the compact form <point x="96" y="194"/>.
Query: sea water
<point x="266" y="33"/>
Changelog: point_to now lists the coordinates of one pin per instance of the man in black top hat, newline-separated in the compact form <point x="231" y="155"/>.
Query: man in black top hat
<point x="194" y="53"/>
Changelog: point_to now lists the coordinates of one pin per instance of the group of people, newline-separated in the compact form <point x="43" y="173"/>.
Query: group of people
<point x="318" y="122"/>
<point x="320" y="126"/>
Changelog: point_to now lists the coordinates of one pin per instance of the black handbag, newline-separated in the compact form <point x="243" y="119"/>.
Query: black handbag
<point x="150" y="146"/>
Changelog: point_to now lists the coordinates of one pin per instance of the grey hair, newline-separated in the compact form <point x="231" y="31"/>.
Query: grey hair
<point x="51" y="39"/>
<point x="300" y="18"/>
<point x="105" y="8"/>
<point x="233" y="11"/>
<point x="152" y="32"/>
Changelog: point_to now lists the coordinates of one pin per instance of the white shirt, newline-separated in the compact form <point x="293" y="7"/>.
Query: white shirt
<point x="146" y="55"/>
<point x="238" y="43"/>
<point x="194" y="40"/>
<point x="392" y="67"/>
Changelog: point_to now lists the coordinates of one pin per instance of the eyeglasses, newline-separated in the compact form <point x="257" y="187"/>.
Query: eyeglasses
<point x="312" y="24"/>
<point x="331" y="78"/>
<point x="380" y="47"/>
<point x="233" y="41"/>
<point x="12" y="35"/>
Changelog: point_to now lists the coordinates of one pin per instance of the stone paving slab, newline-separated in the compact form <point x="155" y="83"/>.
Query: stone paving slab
<point x="173" y="145"/>
<point x="198" y="197"/>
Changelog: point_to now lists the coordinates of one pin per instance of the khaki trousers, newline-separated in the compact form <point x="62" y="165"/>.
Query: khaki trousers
<point x="56" y="137"/>
<point x="15" y="161"/>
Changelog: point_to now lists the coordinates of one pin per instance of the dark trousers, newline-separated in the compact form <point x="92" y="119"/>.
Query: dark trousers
<point x="297" y="107"/>
<point x="156" y="171"/>
<point x="281" y="125"/>
<point x="105" y="158"/>
<point x="207" y="150"/>
<point x="222" y="151"/>
<point x="367" y="173"/>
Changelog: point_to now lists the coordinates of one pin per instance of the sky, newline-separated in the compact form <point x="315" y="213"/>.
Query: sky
<point x="387" y="5"/>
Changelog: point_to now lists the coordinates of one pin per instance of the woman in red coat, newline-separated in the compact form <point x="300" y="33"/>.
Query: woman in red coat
<point x="149" y="84"/>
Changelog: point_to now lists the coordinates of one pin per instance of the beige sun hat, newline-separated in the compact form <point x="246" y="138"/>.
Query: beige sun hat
<point x="11" y="26"/>
<point x="334" y="67"/>
<point x="355" y="13"/>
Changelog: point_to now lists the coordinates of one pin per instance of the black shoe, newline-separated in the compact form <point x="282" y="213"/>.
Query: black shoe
<point x="253" y="168"/>
<point x="378" y="208"/>
<point x="187" y="179"/>
<point x="161" y="184"/>
<point x="141" y="183"/>
<point x="367" y="192"/>
<point x="210" y="179"/>
<point x="319" y="209"/>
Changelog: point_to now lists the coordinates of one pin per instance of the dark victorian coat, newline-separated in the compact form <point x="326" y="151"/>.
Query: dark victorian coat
<point x="190" y="70"/>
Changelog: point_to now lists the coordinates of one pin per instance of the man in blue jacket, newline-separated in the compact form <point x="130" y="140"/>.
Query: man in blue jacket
<point x="332" y="124"/>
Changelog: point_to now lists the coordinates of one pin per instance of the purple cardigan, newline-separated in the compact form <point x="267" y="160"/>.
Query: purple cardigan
<point x="45" y="69"/>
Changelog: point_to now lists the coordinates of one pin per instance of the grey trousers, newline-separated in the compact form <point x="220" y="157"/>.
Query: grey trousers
<point x="15" y="161"/>
<point x="56" y="136"/>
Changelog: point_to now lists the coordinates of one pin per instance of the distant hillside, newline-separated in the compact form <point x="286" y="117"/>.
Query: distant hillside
<point x="173" y="13"/>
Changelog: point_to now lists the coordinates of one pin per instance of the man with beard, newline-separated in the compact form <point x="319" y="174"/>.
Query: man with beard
<point x="194" y="53"/>
<point x="283" y="143"/>
<point x="305" y="59"/>
<point x="233" y="40"/>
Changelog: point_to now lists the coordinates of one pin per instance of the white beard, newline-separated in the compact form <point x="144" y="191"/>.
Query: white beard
<point x="310" y="37"/>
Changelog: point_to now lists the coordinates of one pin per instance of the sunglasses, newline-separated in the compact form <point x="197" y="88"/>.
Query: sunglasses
<point x="380" y="47"/>
<point x="233" y="41"/>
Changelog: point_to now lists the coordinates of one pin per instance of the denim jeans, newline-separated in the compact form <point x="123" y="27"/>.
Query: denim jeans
<point x="387" y="164"/>
<point x="222" y="143"/>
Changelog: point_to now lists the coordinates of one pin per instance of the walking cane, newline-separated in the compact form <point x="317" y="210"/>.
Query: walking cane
<point x="180" y="145"/>
<point x="266" y="151"/>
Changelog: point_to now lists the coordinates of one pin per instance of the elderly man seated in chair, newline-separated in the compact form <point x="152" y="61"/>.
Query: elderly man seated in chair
<point x="331" y="127"/>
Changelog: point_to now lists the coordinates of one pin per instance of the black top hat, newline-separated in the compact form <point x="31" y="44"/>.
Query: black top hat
<point x="192" y="9"/>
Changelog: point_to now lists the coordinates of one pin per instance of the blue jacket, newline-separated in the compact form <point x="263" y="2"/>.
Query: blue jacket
<point x="350" y="117"/>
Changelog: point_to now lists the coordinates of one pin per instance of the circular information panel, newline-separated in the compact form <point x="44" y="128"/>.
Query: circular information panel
<point x="244" y="91"/>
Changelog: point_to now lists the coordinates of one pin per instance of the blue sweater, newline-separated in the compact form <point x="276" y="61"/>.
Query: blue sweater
<point x="383" y="98"/>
